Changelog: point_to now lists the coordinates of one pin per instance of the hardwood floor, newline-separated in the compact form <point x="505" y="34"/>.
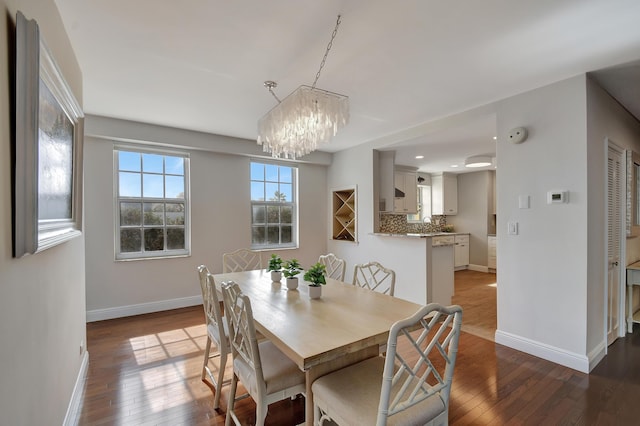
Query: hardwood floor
<point x="145" y="370"/>
<point x="476" y="293"/>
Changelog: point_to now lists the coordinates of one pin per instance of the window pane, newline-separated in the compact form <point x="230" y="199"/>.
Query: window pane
<point x="273" y="214"/>
<point x="273" y="235"/>
<point x="129" y="184"/>
<point x="175" y="238"/>
<point x="129" y="161"/>
<point x="286" y="214"/>
<point x="174" y="165"/>
<point x="286" y="174"/>
<point x="130" y="214"/>
<point x="154" y="239"/>
<point x="153" y="214"/>
<point x="257" y="191"/>
<point x="152" y="186"/>
<point x="271" y="191"/>
<point x="130" y="240"/>
<point x="174" y="186"/>
<point x="286" y="234"/>
<point x="259" y="215"/>
<point x="270" y="173"/>
<point x="258" y="235"/>
<point x="257" y="171"/>
<point x="152" y="163"/>
<point x="285" y="192"/>
<point x="175" y="213"/>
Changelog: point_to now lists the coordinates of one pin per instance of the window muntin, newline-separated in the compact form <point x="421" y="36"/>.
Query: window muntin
<point x="273" y="206"/>
<point x="152" y="204"/>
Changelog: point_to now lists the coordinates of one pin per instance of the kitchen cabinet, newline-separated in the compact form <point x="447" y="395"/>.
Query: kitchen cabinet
<point x="444" y="194"/>
<point x="461" y="251"/>
<point x="406" y="192"/>
<point x="344" y="215"/>
<point x="492" y="258"/>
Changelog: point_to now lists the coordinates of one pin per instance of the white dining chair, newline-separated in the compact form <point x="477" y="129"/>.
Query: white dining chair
<point x="217" y="333"/>
<point x="407" y="387"/>
<point x="241" y="260"/>
<point x="376" y="277"/>
<point x="335" y="266"/>
<point x="266" y="373"/>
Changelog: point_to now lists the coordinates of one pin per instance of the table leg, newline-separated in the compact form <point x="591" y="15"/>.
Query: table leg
<point x="327" y="367"/>
<point x="629" y="309"/>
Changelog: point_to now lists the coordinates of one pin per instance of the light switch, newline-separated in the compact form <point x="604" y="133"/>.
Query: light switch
<point x="512" y="228"/>
<point x="523" y="202"/>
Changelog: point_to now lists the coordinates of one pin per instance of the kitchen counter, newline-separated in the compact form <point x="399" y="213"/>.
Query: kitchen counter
<point x="430" y="274"/>
<point x="417" y="235"/>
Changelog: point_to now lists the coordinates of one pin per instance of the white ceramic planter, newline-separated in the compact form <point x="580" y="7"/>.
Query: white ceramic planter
<point x="315" y="291"/>
<point x="292" y="283"/>
<point x="276" y="276"/>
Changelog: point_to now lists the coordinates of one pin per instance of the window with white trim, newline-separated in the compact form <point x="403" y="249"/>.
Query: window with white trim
<point x="273" y="206"/>
<point x="152" y="204"/>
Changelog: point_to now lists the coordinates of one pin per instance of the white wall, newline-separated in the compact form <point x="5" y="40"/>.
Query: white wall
<point x="220" y="214"/>
<point x="474" y="208"/>
<point x="42" y="296"/>
<point x="406" y="256"/>
<point x="605" y="119"/>
<point x="542" y="285"/>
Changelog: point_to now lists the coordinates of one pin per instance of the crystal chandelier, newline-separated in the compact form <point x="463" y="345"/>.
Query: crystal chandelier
<point x="305" y="119"/>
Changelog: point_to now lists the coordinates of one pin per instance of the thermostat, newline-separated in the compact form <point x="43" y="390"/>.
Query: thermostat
<point x="556" y="197"/>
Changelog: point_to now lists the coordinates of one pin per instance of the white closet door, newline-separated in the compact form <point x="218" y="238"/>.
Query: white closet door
<point x="615" y="205"/>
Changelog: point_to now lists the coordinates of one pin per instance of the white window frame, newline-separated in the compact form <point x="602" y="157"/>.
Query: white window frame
<point x="142" y="255"/>
<point x="293" y="204"/>
<point x="423" y="213"/>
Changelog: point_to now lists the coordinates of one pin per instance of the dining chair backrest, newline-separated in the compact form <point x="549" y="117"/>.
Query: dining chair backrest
<point x="216" y="331"/>
<point x="410" y="385"/>
<point x="279" y="378"/>
<point x="433" y="346"/>
<point x="242" y="335"/>
<point x="241" y="260"/>
<point x="335" y="266"/>
<point x="375" y="277"/>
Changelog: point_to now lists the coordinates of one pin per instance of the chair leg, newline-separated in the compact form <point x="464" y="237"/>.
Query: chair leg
<point x="207" y="349"/>
<point x="261" y="412"/>
<point x="223" y="364"/>
<point x="232" y="400"/>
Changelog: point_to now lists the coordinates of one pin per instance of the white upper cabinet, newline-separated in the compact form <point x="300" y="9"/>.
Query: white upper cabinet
<point x="444" y="188"/>
<point x="406" y="192"/>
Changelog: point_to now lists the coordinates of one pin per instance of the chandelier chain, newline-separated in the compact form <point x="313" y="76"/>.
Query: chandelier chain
<point x="326" y="53"/>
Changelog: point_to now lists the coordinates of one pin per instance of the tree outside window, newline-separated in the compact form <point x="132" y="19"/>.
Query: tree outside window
<point x="273" y="206"/>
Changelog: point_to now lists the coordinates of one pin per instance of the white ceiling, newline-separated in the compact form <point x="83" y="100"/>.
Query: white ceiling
<point x="201" y="64"/>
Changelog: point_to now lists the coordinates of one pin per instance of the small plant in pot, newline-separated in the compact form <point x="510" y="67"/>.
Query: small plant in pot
<point x="275" y="267"/>
<point x="291" y="269"/>
<point x="315" y="277"/>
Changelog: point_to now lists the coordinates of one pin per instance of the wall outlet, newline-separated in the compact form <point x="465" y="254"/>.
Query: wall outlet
<point x="512" y="228"/>
<point x="81" y="346"/>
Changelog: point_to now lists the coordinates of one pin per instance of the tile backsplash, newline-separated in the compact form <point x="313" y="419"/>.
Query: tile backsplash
<point x="397" y="224"/>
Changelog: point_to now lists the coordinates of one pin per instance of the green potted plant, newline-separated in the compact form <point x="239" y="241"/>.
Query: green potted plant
<point x="291" y="269"/>
<point x="275" y="267"/>
<point x="315" y="277"/>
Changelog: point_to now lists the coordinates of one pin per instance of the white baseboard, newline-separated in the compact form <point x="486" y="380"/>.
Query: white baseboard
<point x="596" y="355"/>
<point x="142" y="308"/>
<point x="478" y="268"/>
<point x="72" y="417"/>
<point x="544" y="351"/>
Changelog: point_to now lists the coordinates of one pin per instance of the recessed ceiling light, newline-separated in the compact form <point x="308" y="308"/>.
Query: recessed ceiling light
<point x="419" y="157"/>
<point x="454" y="165"/>
<point x="495" y="138"/>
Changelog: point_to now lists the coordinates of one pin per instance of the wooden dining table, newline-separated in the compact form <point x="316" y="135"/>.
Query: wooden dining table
<point x="346" y="325"/>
